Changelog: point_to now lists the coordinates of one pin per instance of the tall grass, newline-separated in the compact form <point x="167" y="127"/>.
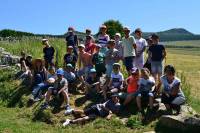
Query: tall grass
<point x="33" y="46"/>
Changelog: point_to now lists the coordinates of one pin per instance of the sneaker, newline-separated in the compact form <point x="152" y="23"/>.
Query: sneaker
<point x="67" y="122"/>
<point x="36" y="99"/>
<point x="44" y="106"/>
<point x="68" y="110"/>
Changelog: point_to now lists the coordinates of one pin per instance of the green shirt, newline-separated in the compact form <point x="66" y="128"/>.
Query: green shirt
<point x="127" y="44"/>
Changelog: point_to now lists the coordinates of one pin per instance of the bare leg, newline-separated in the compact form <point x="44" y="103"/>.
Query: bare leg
<point x="138" y="100"/>
<point x="78" y="112"/>
<point x="128" y="99"/>
<point x="151" y="99"/>
<point x="80" y="120"/>
<point x="48" y="96"/>
<point x="66" y="97"/>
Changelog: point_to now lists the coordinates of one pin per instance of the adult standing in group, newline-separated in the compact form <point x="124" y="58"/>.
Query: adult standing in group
<point x="148" y="60"/>
<point x="129" y="48"/>
<point x="118" y="45"/>
<point x="103" y="39"/>
<point x="88" y="32"/>
<point x="48" y="52"/>
<point x="157" y="54"/>
<point x="141" y="45"/>
<point x="72" y="40"/>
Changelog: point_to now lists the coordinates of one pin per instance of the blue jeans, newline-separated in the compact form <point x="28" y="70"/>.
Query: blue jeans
<point x="38" y="89"/>
<point x="38" y="79"/>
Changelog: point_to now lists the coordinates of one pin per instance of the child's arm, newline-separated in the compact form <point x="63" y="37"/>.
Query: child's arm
<point x="175" y="89"/>
<point x="62" y="89"/>
<point x="110" y="83"/>
<point x="79" y="62"/>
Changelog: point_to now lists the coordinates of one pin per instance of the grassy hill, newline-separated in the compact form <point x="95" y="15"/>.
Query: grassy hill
<point x="17" y="116"/>
<point x="176" y="34"/>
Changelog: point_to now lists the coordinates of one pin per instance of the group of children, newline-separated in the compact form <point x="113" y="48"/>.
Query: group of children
<point x="97" y="65"/>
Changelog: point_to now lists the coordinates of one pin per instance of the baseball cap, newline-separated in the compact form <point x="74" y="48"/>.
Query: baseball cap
<point x="60" y="71"/>
<point x="126" y="28"/>
<point x="70" y="47"/>
<point x="118" y="34"/>
<point x="44" y="40"/>
<point x="93" y="70"/>
<point x="69" y="65"/>
<point x="115" y="95"/>
<point x="103" y="27"/>
<point x="81" y="46"/>
<point x="134" y="70"/>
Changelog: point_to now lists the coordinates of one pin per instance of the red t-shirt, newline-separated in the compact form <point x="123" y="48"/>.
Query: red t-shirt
<point x="90" y="48"/>
<point x="132" y="84"/>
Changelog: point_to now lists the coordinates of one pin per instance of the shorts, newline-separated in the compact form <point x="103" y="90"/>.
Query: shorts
<point x="109" y="70"/>
<point x="144" y="94"/>
<point x="176" y="100"/>
<point x="54" y="91"/>
<point x="139" y="62"/>
<point x="129" y="62"/>
<point x="124" y="95"/>
<point x="84" y="71"/>
<point x="156" y="67"/>
<point x="93" y="110"/>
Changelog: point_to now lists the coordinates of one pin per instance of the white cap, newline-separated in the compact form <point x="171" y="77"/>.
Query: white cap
<point x="44" y="40"/>
<point x="82" y="45"/>
<point x="118" y="34"/>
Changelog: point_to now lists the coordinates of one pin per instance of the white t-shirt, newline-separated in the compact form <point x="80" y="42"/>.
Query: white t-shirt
<point x="127" y="44"/>
<point x="146" y="84"/>
<point x="168" y="86"/>
<point x="141" y="44"/>
<point x="117" y="79"/>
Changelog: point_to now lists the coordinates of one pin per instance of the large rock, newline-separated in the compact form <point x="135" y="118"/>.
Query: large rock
<point x="181" y="122"/>
<point x="7" y="58"/>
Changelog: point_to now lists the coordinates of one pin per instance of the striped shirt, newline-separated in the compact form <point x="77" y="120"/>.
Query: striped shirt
<point x="103" y="40"/>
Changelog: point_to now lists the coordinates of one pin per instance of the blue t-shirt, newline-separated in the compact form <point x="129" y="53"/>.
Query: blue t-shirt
<point x="70" y="76"/>
<point x="157" y="52"/>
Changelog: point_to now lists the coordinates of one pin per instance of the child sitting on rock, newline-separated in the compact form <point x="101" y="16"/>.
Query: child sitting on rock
<point x="71" y="78"/>
<point x="116" y="81"/>
<point x="92" y="84"/>
<point x="172" y="95"/>
<point x="99" y="110"/>
<point x="60" y="87"/>
<point x="144" y="92"/>
<point x="132" y="82"/>
<point x="39" y="88"/>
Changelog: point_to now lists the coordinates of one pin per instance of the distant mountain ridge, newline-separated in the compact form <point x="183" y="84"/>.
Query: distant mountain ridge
<point x="175" y="34"/>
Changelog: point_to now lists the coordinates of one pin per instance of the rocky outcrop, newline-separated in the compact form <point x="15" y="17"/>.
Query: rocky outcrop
<point x="7" y="58"/>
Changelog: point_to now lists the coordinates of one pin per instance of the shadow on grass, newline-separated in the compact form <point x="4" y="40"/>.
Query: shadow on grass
<point x="16" y="97"/>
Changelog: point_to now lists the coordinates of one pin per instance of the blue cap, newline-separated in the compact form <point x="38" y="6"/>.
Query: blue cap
<point x="93" y="70"/>
<point x="60" y="71"/>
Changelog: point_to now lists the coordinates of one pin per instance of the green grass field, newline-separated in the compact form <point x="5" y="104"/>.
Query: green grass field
<point x="15" y="116"/>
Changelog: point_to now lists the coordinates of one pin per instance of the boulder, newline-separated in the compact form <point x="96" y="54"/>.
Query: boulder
<point x="182" y="122"/>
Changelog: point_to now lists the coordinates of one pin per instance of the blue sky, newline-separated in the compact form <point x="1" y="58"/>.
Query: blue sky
<point x="54" y="16"/>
